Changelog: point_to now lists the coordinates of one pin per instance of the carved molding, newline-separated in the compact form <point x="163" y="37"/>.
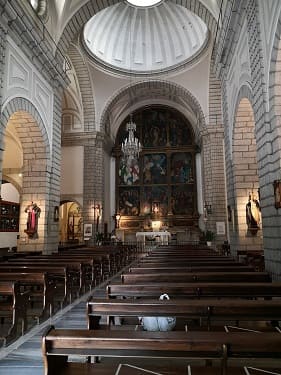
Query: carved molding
<point x="22" y="79"/>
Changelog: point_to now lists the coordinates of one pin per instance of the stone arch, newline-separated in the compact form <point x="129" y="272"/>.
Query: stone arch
<point x="90" y="8"/>
<point x="36" y="170"/>
<point x="86" y="88"/>
<point x="159" y="92"/>
<point x="275" y="99"/>
<point x="245" y="171"/>
<point x="13" y="182"/>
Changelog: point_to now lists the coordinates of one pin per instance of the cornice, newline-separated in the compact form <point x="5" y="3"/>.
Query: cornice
<point x="83" y="139"/>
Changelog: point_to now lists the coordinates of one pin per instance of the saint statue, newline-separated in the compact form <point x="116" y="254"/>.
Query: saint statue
<point x="253" y="214"/>
<point x="33" y="213"/>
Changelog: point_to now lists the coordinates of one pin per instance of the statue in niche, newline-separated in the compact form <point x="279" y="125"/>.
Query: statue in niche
<point x="33" y="213"/>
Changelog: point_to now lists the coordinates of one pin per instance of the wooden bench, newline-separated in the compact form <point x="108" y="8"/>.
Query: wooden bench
<point x="39" y="286"/>
<point x="58" y="344"/>
<point x="188" y="263"/>
<point x="60" y="275"/>
<point x="175" y="269"/>
<point x="207" y="310"/>
<point x="196" y="290"/>
<point x="137" y="278"/>
<point x="13" y="305"/>
<point x="78" y="270"/>
<point x="100" y="264"/>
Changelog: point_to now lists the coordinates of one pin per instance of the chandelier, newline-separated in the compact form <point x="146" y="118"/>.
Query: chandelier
<point x="131" y="146"/>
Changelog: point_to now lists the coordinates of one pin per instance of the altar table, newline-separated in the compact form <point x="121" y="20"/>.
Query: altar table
<point x="160" y="237"/>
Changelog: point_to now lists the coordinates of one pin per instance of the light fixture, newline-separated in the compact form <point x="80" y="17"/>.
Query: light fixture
<point x="131" y="146"/>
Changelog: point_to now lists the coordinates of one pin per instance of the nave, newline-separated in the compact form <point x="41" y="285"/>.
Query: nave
<point x="224" y="301"/>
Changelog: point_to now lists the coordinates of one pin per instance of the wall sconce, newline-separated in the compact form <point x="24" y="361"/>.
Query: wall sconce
<point x="208" y="208"/>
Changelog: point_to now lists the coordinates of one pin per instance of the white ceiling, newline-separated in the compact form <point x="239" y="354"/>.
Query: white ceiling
<point x="145" y="40"/>
<point x="63" y="10"/>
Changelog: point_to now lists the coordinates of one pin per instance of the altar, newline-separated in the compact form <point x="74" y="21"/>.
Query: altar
<point x="161" y="238"/>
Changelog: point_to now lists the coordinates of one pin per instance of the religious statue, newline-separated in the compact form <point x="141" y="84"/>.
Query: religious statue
<point x="253" y="214"/>
<point x="33" y="213"/>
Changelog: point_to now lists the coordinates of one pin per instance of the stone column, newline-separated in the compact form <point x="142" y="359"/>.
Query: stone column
<point x="214" y="177"/>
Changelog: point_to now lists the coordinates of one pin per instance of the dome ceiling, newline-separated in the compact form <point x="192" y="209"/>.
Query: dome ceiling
<point x="145" y="40"/>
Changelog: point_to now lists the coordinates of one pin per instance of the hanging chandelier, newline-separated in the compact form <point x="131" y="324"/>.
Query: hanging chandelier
<point x="131" y="146"/>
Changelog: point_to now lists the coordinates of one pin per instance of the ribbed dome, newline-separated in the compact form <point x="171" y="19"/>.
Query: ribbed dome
<point x="145" y="39"/>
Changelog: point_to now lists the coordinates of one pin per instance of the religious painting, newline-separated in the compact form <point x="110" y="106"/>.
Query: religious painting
<point x="163" y="176"/>
<point x="179" y="133"/>
<point x="182" y="200"/>
<point x="129" y="201"/>
<point x="130" y="224"/>
<point x="157" y="194"/>
<point x="88" y="230"/>
<point x="154" y="128"/>
<point x="181" y="167"/>
<point x="129" y="171"/>
<point x="154" y="169"/>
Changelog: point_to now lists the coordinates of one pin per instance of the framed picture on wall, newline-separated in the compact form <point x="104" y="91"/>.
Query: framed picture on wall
<point x="277" y="193"/>
<point x="88" y="230"/>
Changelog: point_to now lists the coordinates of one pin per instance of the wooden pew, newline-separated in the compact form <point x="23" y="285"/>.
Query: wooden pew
<point x="188" y="257"/>
<point x="77" y="268"/>
<point x="40" y="286"/>
<point x="61" y="276"/>
<point x="207" y="310"/>
<point x="100" y="264"/>
<point x="13" y="305"/>
<point x="174" y="269"/>
<point x="91" y="272"/>
<point x="58" y="344"/>
<point x="176" y="263"/>
<point x="157" y="277"/>
<point x="196" y="290"/>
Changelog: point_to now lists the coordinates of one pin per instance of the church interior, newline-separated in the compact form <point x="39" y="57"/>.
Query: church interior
<point x="140" y="149"/>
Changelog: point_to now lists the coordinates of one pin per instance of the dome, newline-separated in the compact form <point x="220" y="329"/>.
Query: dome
<point x="144" y="40"/>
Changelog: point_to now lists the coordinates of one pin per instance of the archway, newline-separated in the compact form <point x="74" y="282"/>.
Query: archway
<point x="245" y="181"/>
<point x="70" y="223"/>
<point x="31" y="159"/>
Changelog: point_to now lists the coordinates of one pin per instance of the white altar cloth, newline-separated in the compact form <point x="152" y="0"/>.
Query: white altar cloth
<point x="160" y="237"/>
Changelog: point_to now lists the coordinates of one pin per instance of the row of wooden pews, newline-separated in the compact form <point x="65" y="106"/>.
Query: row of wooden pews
<point x="34" y="287"/>
<point x="210" y="296"/>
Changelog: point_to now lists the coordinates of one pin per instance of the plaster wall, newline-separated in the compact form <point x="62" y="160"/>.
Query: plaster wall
<point x="195" y="80"/>
<point x="22" y="79"/>
<point x="72" y="171"/>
